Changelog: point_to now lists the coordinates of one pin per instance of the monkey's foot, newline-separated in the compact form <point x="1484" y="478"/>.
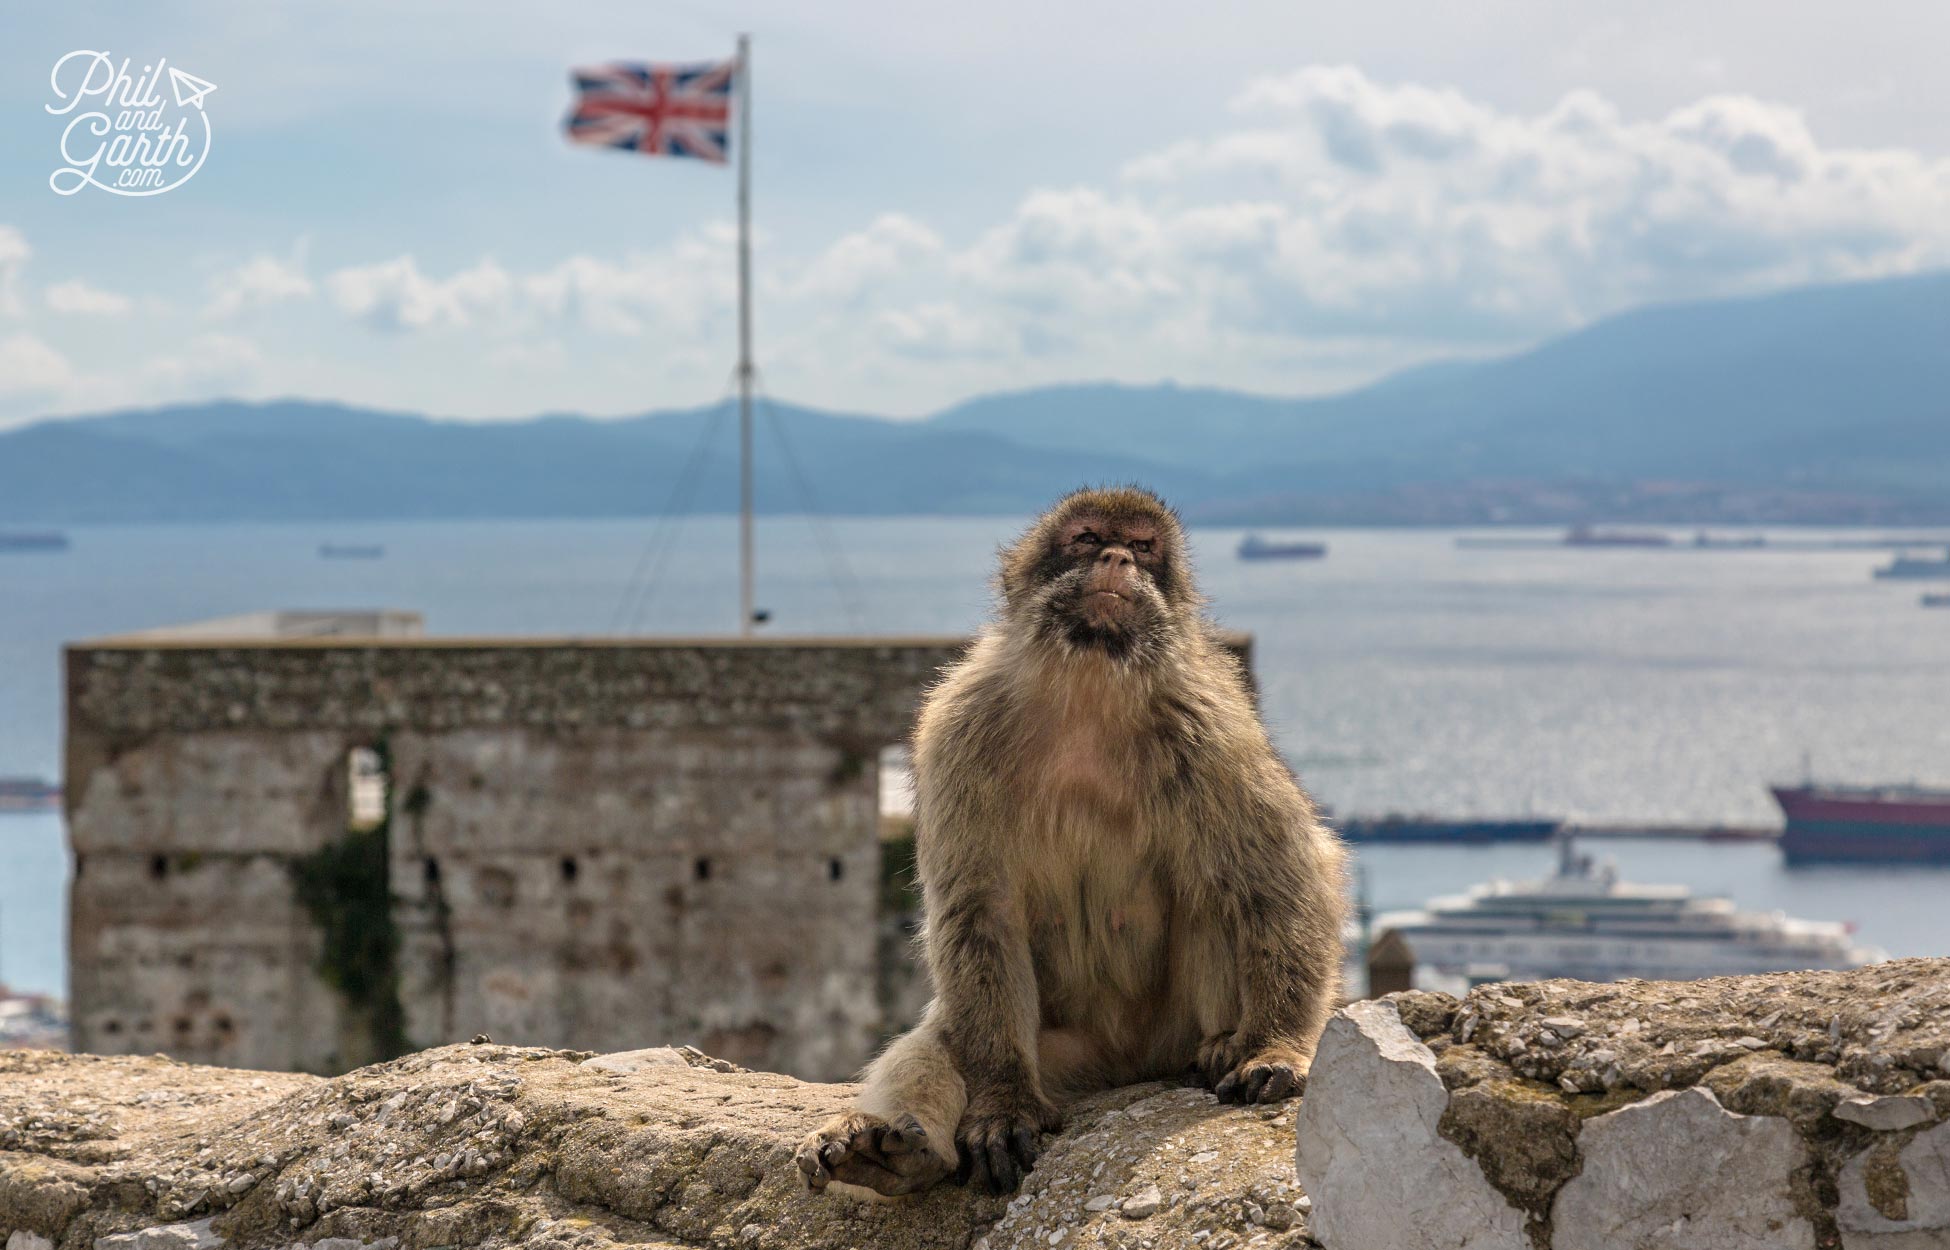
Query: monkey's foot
<point x="1267" y="1075"/>
<point x="1263" y="1081"/>
<point x="999" y="1144"/>
<point x="862" y="1149"/>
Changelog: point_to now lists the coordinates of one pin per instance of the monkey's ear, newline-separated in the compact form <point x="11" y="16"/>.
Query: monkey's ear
<point x="1010" y="569"/>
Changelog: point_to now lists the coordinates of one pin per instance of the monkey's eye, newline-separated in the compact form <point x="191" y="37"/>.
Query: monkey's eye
<point x="1141" y="545"/>
<point x="1089" y="536"/>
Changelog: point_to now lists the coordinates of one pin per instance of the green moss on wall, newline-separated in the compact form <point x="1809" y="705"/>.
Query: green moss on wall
<point x="347" y="888"/>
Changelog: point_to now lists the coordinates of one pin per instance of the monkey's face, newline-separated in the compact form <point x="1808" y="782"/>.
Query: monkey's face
<point x="1103" y="580"/>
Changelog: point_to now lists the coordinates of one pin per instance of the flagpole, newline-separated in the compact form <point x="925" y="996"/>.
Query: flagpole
<point x="745" y="607"/>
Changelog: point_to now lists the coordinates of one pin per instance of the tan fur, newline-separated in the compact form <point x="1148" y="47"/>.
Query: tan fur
<point x="1122" y="879"/>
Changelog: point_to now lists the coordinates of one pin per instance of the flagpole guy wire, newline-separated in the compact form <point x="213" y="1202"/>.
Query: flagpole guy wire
<point x="838" y="570"/>
<point x="645" y="579"/>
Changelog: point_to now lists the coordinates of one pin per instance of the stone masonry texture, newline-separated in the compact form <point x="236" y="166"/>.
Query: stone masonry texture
<point x="590" y="844"/>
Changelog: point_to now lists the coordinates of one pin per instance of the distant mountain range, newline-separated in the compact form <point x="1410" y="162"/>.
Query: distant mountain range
<point x="1817" y="404"/>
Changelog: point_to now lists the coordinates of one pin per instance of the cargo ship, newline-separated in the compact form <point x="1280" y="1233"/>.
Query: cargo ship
<point x="1584" y="922"/>
<point x="28" y="794"/>
<point x="1864" y="824"/>
<point x="34" y="540"/>
<point x="1587" y="536"/>
<point x="1904" y="566"/>
<point x="1253" y="547"/>
<point x="1395" y="828"/>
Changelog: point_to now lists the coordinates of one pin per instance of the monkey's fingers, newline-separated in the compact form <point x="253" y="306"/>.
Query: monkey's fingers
<point x="1260" y="1082"/>
<point x="904" y="1137"/>
<point x="1283" y="1083"/>
<point x="1004" y="1176"/>
<point x="1026" y="1143"/>
<point x="1218" y="1056"/>
<point x="812" y="1166"/>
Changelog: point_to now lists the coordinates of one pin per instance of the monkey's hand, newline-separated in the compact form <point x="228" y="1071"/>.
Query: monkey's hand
<point x="1237" y="1070"/>
<point x="1000" y="1134"/>
<point x="858" y="1148"/>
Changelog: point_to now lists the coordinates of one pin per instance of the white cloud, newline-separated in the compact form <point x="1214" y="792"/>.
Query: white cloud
<point x="207" y="364"/>
<point x="1420" y="213"/>
<point x="30" y="368"/>
<point x="858" y="262"/>
<point x="395" y="295"/>
<point x="78" y="298"/>
<point x="13" y="258"/>
<point x="1338" y="227"/>
<point x="936" y="331"/>
<point x="679" y="290"/>
<point x="260" y="282"/>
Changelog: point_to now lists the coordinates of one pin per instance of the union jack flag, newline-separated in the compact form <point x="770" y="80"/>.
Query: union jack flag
<point x="658" y="110"/>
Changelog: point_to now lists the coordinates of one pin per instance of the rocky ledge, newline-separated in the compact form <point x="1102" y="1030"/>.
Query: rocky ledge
<point x="487" y="1145"/>
<point x="1745" y="1113"/>
<point x="1756" y="1113"/>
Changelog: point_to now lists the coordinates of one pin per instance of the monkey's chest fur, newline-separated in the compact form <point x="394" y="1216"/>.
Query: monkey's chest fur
<point x="1108" y="930"/>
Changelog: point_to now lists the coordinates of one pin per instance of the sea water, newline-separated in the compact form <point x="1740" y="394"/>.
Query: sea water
<point x="1401" y="673"/>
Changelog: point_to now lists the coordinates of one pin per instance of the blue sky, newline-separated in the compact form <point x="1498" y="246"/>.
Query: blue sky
<point x="1275" y="196"/>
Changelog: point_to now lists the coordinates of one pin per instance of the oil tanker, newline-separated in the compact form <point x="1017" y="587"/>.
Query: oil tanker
<point x="28" y="794"/>
<point x="1864" y="824"/>
<point x="1399" y="828"/>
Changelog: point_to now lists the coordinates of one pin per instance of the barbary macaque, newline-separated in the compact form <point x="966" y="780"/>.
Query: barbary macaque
<point x="1122" y="879"/>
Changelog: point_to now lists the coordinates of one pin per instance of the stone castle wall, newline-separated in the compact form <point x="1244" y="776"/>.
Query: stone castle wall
<point x="591" y="844"/>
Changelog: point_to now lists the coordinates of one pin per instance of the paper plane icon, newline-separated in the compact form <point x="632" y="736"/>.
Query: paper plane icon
<point x="189" y="88"/>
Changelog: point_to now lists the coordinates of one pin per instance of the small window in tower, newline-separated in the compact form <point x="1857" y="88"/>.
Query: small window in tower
<point x="159" y="866"/>
<point x="835" y="870"/>
<point x="366" y="784"/>
<point x="702" y="869"/>
<point x="570" y="869"/>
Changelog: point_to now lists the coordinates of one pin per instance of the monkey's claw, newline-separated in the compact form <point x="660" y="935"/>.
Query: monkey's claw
<point x="866" y="1150"/>
<point x="998" y="1149"/>
<point x="1262" y="1082"/>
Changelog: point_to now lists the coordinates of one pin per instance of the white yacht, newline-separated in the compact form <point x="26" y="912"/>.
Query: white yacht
<point x="1584" y="922"/>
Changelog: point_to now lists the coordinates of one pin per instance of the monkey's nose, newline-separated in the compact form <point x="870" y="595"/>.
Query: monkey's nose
<point x="1115" y="557"/>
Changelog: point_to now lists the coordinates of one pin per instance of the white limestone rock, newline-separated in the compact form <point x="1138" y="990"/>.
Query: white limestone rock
<point x="195" y="1235"/>
<point x="21" y="1239"/>
<point x="1369" y="1154"/>
<point x="1887" y="1113"/>
<point x="628" y="1061"/>
<point x="1925" y="1203"/>
<point x="1680" y="1172"/>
